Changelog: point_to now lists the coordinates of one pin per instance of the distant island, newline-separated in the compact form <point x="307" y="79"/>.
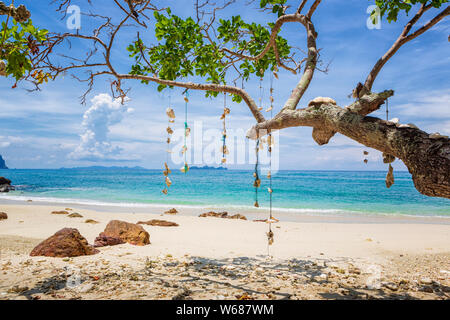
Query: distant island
<point x="2" y="163"/>
<point x="104" y="168"/>
<point x="208" y="168"/>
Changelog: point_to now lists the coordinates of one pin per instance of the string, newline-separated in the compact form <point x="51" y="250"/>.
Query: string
<point x="185" y="131"/>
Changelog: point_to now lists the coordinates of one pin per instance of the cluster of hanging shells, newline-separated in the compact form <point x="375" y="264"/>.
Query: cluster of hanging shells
<point x="171" y="119"/>
<point x="187" y="133"/>
<point x="388" y="159"/>
<point x="225" y="151"/>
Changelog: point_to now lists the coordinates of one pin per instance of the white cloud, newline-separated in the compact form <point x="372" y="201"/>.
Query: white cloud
<point x="95" y="144"/>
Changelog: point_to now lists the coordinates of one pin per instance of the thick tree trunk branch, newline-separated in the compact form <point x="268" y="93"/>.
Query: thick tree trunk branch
<point x="426" y="156"/>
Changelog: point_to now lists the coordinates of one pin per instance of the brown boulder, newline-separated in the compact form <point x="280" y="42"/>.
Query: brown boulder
<point x="159" y="223"/>
<point x="3" y="216"/>
<point x="75" y="215"/>
<point x="214" y="214"/>
<point x="128" y="232"/>
<point x="223" y="215"/>
<point x="103" y="241"/>
<point x="64" y="243"/>
<point x="171" y="211"/>
<point x="4" y="181"/>
<point x="60" y="212"/>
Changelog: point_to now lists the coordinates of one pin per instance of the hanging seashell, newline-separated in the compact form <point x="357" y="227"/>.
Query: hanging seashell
<point x="224" y="133"/>
<point x="222" y="117"/>
<point x="269" y="175"/>
<point x="270" y="149"/>
<point x="226" y="111"/>
<point x="270" y="140"/>
<point x="166" y="166"/>
<point x="390" y="177"/>
<point x="166" y="172"/>
<point x="270" y="190"/>
<point x="366" y="153"/>
<point x="257" y="183"/>
<point x="165" y="191"/>
<point x="168" y="140"/>
<point x="168" y="182"/>
<point x="272" y="220"/>
<point x="224" y="160"/>
<point x="269" y="109"/>
<point x="256" y="204"/>
<point x="186" y="99"/>
<point x="169" y="130"/>
<point x="170" y="113"/>
<point x="188" y="132"/>
<point x="185" y="169"/>
<point x="275" y="75"/>
<point x="255" y="175"/>
<point x="272" y="99"/>
<point x="270" y="238"/>
<point x="171" y="121"/>
<point x="225" y="150"/>
<point x="388" y="158"/>
<point x="183" y="150"/>
<point x="366" y="161"/>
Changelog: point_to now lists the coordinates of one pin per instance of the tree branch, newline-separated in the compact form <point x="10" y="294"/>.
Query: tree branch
<point x="401" y="40"/>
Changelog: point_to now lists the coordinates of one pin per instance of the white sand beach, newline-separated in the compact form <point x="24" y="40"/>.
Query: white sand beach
<point x="214" y="258"/>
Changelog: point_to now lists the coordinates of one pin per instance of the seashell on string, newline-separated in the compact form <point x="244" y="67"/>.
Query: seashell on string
<point x="272" y="99"/>
<point x="188" y="132"/>
<point x="390" y="177"/>
<point x="270" y="140"/>
<point x="269" y="109"/>
<point x="366" y="153"/>
<point x="166" y="166"/>
<point x="224" y="160"/>
<point x="256" y="205"/>
<point x="226" y="111"/>
<point x="183" y="150"/>
<point x="169" y="130"/>
<point x="166" y="172"/>
<point x="388" y="158"/>
<point x="270" y="238"/>
<point x="225" y="150"/>
<point x="269" y="175"/>
<point x="255" y="175"/>
<point x="270" y="190"/>
<point x="224" y="133"/>
<point x="168" y="140"/>
<point x="186" y="99"/>
<point x="171" y="121"/>
<point x="366" y="161"/>
<point x="165" y="191"/>
<point x="168" y="182"/>
<point x="257" y="183"/>
<point x="185" y="169"/>
<point x="170" y="113"/>
<point x="272" y="220"/>
<point x="275" y="75"/>
<point x="270" y="149"/>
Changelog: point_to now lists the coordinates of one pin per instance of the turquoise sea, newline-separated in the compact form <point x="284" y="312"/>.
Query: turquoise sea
<point x="307" y="192"/>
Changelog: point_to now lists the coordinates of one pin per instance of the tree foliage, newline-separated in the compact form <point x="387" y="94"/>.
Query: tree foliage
<point x="20" y="41"/>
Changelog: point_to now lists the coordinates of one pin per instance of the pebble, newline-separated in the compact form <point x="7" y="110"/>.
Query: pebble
<point x="426" y="281"/>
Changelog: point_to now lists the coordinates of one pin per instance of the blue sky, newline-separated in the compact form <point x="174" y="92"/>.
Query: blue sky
<point x="51" y="129"/>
